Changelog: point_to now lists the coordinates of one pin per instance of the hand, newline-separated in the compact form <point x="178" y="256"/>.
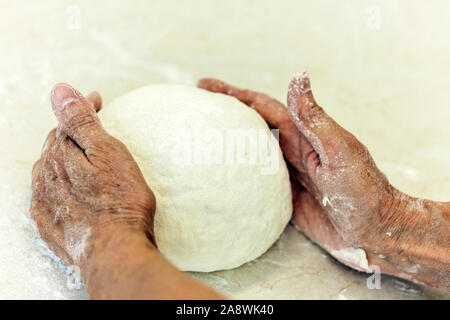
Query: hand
<point x="94" y="209"/>
<point x="339" y="194"/>
<point x="86" y="183"/>
<point x="342" y="201"/>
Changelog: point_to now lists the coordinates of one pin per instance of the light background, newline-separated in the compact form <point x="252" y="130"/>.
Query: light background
<point x="380" y="68"/>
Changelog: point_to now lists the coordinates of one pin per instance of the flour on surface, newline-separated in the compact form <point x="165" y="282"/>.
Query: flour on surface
<point x="353" y="256"/>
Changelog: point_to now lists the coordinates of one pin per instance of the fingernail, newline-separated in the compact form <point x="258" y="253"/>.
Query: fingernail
<point x="62" y="95"/>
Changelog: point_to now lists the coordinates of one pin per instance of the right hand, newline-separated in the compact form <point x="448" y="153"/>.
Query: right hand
<point x="340" y="196"/>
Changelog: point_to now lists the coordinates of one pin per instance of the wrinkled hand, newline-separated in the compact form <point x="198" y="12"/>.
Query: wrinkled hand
<point x="86" y="181"/>
<point x="339" y="194"/>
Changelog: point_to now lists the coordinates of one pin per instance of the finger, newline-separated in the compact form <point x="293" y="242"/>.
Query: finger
<point x="76" y="116"/>
<point x="37" y="186"/>
<point x="321" y="131"/>
<point x="273" y="111"/>
<point x="35" y="171"/>
<point x="214" y="85"/>
<point x="296" y="148"/>
<point x="60" y="135"/>
<point x="52" y="171"/>
<point x="49" y="141"/>
<point x="51" y="232"/>
<point x="95" y="100"/>
<point x="67" y="159"/>
<point x="312" y="220"/>
<point x="75" y="160"/>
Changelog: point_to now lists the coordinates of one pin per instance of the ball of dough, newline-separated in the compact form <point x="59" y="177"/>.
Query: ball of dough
<point x="220" y="181"/>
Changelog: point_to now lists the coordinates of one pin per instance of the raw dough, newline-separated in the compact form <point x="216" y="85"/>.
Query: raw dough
<point x="218" y="174"/>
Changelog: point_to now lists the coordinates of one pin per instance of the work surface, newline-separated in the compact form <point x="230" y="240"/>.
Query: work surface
<point x="380" y="68"/>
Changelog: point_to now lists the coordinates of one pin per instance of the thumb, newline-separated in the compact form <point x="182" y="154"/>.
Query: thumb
<point x="76" y="115"/>
<point x="321" y="131"/>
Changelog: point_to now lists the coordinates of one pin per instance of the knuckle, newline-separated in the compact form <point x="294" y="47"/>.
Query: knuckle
<point x="120" y="146"/>
<point x="116" y="146"/>
<point x="52" y="132"/>
<point x="51" y="135"/>
<point x="213" y="85"/>
<point x="109" y="145"/>
<point x="49" y="141"/>
<point x="81" y="120"/>
<point x="218" y="86"/>
<point x="52" y="154"/>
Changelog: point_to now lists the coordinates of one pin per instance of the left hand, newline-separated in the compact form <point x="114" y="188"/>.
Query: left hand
<point x="86" y="185"/>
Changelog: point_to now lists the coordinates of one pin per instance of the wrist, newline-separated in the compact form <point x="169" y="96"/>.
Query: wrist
<point x="115" y="250"/>
<point x="137" y="220"/>
<point x="412" y="239"/>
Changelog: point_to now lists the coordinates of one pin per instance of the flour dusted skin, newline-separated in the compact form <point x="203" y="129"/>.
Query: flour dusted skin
<point x="221" y="184"/>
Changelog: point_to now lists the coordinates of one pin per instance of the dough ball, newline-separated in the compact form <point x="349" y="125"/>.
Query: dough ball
<point x="221" y="184"/>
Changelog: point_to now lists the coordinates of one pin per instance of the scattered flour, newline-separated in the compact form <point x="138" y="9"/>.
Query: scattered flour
<point x="351" y="255"/>
<point x="76" y="241"/>
<point x="326" y="201"/>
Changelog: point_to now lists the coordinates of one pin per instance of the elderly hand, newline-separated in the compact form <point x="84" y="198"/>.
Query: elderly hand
<point x="341" y="199"/>
<point x="86" y="182"/>
<point x="94" y="209"/>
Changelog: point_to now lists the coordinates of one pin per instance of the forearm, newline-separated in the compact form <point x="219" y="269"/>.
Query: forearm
<point x="414" y="241"/>
<point x="128" y="266"/>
